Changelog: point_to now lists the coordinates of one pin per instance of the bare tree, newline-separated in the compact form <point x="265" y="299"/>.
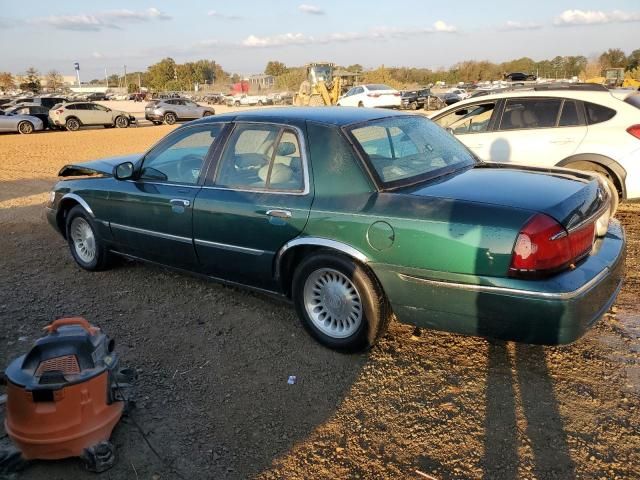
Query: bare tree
<point x="7" y="82"/>
<point x="54" y="80"/>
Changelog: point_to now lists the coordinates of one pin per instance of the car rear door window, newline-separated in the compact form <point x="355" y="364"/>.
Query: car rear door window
<point x="598" y="113"/>
<point x="181" y="157"/>
<point x="569" y="116"/>
<point x="469" y="119"/>
<point x="262" y="157"/>
<point x="526" y="113"/>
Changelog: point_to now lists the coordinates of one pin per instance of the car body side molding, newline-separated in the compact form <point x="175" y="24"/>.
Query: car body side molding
<point x="319" y="242"/>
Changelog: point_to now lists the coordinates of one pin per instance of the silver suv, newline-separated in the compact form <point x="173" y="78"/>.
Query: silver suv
<point x="173" y="109"/>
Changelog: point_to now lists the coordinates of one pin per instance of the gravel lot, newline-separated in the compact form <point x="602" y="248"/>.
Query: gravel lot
<point x="212" y="394"/>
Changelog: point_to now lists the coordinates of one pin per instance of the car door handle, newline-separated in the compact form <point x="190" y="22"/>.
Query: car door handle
<point x="279" y="213"/>
<point x="180" y="202"/>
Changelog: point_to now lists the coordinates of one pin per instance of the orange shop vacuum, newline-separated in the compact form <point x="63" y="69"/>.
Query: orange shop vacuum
<point x="64" y="397"/>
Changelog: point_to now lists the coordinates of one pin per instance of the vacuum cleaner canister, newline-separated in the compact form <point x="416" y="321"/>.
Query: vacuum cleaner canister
<point x="62" y="396"/>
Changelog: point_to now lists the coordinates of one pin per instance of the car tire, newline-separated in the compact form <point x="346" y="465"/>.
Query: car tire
<point x="87" y="249"/>
<point x="72" y="124"/>
<point x="414" y="105"/>
<point x="121" y="122"/>
<point x="169" y="118"/>
<point x="25" y="127"/>
<point x="237" y="104"/>
<point x="360" y="104"/>
<point x="339" y="302"/>
<point x="207" y="114"/>
<point x="260" y="102"/>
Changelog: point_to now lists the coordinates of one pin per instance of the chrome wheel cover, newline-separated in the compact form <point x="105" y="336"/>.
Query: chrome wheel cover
<point x="25" y="128"/>
<point x="83" y="238"/>
<point x="333" y="303"/>
<point x="121" y="122"/>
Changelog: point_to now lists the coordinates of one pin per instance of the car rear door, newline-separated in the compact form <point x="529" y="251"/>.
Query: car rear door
<point x="538" y="131"/>
<point x="152" y="216"/>
<point x="257" y="199"/>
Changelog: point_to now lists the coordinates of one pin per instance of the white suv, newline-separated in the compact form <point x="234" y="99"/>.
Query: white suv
<point x="584" y="130"/>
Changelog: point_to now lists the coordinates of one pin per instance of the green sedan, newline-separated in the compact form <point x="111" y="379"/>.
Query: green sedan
<point x="357" y="216"/>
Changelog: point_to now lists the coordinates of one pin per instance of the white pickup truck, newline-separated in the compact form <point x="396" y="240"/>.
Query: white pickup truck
<point x="245" y="99"/>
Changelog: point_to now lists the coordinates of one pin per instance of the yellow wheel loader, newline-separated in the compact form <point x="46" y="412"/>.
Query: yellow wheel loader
<point x="320" y="88"/>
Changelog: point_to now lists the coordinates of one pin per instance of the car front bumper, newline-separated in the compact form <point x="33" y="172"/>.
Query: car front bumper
<point x="153" y="117"/>
<point x="557" y="310"/>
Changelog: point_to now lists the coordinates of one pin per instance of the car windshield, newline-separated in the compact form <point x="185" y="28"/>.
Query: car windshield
<point x="404" y="150"/>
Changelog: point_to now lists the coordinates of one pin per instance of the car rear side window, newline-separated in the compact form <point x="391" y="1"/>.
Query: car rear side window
<point x="262" y="157"/>
<point x="569" y="116"/>
<point x="529" y="113"/>
<point x="598" y="113"/>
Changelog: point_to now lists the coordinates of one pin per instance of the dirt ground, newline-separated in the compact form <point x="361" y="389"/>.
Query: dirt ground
<point x="213" y="362"/>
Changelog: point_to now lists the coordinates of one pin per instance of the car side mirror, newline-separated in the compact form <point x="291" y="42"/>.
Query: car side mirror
<point x="124" y="171"/>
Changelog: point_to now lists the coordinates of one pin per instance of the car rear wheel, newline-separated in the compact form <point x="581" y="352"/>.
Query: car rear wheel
<point x="87" y="249"/>
<point x="260" y="102"/>
<point x="122" y="122"/>
<point x="339" y="302"/>
<point x="207" y="114"/>
<point x="25" y="128"/>
<point x="414" y="105"/>
<point x="360" y="104"/>
<point x="72" y="124"/>
<point x="169" y="118"/>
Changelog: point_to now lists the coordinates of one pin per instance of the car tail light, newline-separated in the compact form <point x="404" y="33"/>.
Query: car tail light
<point x="634" y="130"/>
<point x="544" y="247"/>
<point x="397" y="94"/>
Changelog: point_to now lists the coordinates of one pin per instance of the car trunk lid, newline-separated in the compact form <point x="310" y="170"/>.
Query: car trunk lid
<point x="568" y="196"/>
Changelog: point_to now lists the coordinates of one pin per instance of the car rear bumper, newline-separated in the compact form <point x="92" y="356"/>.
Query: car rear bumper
<point x="553" y="311"/>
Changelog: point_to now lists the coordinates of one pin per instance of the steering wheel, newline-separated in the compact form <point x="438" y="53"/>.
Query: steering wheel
<point x="189" y="167"/>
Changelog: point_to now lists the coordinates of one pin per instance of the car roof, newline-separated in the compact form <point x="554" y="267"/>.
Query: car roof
<point x="339" y="116"/>
<point x="585" y="95"/>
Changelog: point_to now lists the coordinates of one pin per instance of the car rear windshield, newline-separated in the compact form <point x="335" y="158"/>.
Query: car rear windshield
<point x="633" y="100"/>
<point x="406" y="150"/>
<point x="379" y="86"/>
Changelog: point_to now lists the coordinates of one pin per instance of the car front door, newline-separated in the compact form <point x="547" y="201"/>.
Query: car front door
<point x="152" y="215"/>
<point x="538" y="131"/>
<point x="257" y="200"/>
<point x="471" y="124"/>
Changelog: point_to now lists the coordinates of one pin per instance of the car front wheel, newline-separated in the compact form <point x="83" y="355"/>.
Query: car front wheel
<point x="122" y="122"/>
<point x="169" y="118"/>
<point x="87" y="249"/>
<point x="339" y="302"/>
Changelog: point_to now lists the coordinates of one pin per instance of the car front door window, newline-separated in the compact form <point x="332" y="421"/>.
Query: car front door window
<point x="180" y="159"/>
<point x="470" y="119"/>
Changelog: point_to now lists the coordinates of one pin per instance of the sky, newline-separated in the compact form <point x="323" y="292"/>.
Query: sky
<point x="244" y="35"/>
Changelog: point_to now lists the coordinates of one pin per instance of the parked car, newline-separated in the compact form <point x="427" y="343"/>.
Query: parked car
<point x="214" y="98"/>
<point x="461" y="93"/>
<point x="585" y="130"/>
<point x="356" y="215"/>
<point x="519" y="77"/>
<point x="451" y="98"/>
<point x="24" y="124"/>
<point x="171" y="110"/>
<point x="371" y="95"/>
<point x="33" y="110"/>
<point x="414" y="99"/>
<point x="75" y="115"/>
<point x="245" y="100"/>
<point x="96" y="96"/>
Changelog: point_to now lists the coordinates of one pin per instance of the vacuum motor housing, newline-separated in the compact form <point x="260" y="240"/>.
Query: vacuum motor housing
<point x="61" y="395"/>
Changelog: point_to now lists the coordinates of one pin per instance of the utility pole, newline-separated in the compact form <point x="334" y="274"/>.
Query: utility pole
<point x="106" y="78"/>
<point x="126" y="85"/>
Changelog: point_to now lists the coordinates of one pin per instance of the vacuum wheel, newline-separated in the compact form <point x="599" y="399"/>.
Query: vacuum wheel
<point x="11" y="461"/>
<point x="100" y="457"/>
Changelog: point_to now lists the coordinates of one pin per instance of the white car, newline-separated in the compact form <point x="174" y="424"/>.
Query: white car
<point x="583" y="130"/>
<point x="245" y="99"/>
<point x="460" y="92"/>
<point x="371" y="95"/>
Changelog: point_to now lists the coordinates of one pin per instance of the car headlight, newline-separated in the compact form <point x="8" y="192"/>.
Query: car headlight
<point x="52" y="197"/>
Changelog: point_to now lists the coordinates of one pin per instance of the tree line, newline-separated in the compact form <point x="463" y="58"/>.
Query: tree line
<point x="168" y="75"/>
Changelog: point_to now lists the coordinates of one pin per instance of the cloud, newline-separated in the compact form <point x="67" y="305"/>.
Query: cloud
<point x="97" y="55"/>
<point x="310" y="9"/>
<point x="594" y="17"/>
<point x="440" y="26"/>
<point x="288" y="39"/>
<point x="513" y="25"/>
<point x="112" y="19"/>
<point x="215" y="13"/>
